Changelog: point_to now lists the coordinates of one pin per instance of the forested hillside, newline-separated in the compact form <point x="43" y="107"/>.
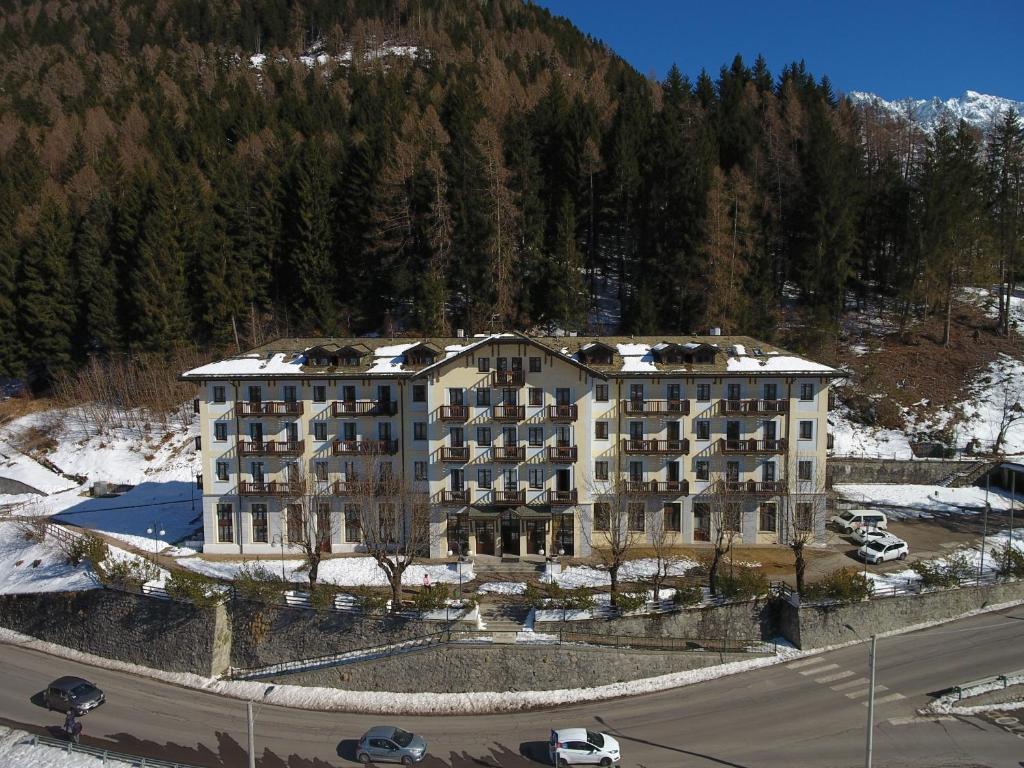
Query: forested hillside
<point x="428" y="165"/>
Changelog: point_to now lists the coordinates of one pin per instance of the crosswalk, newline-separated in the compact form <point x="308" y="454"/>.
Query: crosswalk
<point x="843" y="681"/>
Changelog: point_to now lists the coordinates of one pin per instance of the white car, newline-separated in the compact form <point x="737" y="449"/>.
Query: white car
<point x="880" y="550"/>
<point x="852" y="519"/>
<point x="578" y="746"/>
<point x="864" y="535"/>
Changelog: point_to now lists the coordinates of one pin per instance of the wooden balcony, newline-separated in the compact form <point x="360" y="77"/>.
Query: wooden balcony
<point x="269" y="488"/>
<point x="454" y="412"/>
<point x="562" y="454"/>
<point x="752" y="446"/>
<point x="271" y="447"/>
<point x="752" y="407"/>
<point x="509" y="412"/>
<point x="562" y="412"/>
<point x="662" y="447"/>
<point x="458" y="453"/>
<point x="509" y="453"/>
<point x="270" y="408"/>
<point x="658" y="487"/>
<point x="363" y="447"/>
<point x="342" y="408"/>
<point x="754" y="487"/>
<point x="656" y="407"/>
<point x="455" y="498"/>
<point x="506" y="497"/>
<point x="562" y="498"/>
<point x="345" y="487"/>
<point x="508" y="378"/>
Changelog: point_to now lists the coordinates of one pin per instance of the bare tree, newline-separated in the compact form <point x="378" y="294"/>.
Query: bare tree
<point x="803" y="522"/>
<point x="1011" y="409"/>
<point x="660" y="539"/>
<point x="308" y="520"/>
<point x="617" y="526"/>
<point x="725" y="527"/>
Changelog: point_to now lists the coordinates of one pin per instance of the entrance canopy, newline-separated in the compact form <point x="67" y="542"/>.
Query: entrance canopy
<point x="532" y="513"/>
<point x="484" y="513"/>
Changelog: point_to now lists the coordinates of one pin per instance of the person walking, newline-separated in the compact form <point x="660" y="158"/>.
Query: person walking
<point x="72" y="727"/>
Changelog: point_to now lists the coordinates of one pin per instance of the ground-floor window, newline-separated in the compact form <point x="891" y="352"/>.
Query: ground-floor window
<point x="804" y="516"/>
<point x="701" y="521"/>
<point x="602" y="516"/>
<point x="673" y="518"/>
<point x="259" y="523"/>
<point x="636" y="516"/>
<point x="225" y="523"/>
<point x="351" y="523"/>
<point x="295" y="527"/>
<point x="769" y="517"/>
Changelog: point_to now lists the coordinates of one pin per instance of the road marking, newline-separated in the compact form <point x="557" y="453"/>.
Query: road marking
<point x="917" y="719"/>
<point x="803" y="662"/>
<point x="887" y="699"/>
<point x="851" y="684"/>
<point x="818" y="670"/>
<point x="833" y="678"/>
<point x="865" y="692"/>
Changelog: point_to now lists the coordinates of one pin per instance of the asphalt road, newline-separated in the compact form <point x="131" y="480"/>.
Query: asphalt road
<point x="809" y="712"/>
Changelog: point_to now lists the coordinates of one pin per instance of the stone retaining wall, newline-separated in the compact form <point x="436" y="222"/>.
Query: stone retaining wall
<point x="914" y="471"/>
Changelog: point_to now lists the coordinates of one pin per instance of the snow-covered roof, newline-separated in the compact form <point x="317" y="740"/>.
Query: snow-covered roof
<point x="278" y="364"/>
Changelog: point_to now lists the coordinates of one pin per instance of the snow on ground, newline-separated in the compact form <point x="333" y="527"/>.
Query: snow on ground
<point x="632" y="570"/>
<point x="342" y="571"/>
<point x="854" y="439"/>
<point x="502" y="588"/>
<point x="906" y="501"/>
<point x="16" y="749"/>
<point x="15" y="465"/>
<point x="993" y="399"/>
<point x="52" y="574"/>
<point x="988" y="300"/>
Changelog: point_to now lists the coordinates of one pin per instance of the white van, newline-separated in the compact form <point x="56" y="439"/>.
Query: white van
<point x="859" y="518"/>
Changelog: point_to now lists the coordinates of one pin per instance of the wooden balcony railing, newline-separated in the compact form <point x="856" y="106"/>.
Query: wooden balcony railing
<point x="562" y="454"/>
<point x="507" y="497"/>
<point x="269" y="488"/>
<point x="458" y="453"/>
<point x="755" y="487"/>
<point x="509" y="453"/>
<point x="752" y="446"/>
<point x="508" y="379"/>
<point x="752" y="407"/>
<point x="271" y="447"/>
<point x="562" y="412"/>
<point x="454" y="412"/>
<point x="458" y="497"/>
<point x="270" y="408"/>
<point x="509" y="412"/>
<point x="562" y="498"/>
<point x="658" y="487"/>
<point x="364" y="408"/>
<point x="668" y="447"/>
<point x="348" y="447"/>
<point x="345" y="487"/>
<point x="637" y="407"/>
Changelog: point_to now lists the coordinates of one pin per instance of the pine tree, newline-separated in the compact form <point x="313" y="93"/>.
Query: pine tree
<point x="1005" y="170"/>
<point x="99" y="328"/>
<point x="309" y="256"/>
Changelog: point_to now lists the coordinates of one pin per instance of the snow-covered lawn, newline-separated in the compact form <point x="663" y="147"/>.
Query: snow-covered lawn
<point x="633" y="570"/>
<point x="502" y="587"/>
<point x="907" y="501"/>
<point x="52" y="574"/>
<point x="342" y="571"/>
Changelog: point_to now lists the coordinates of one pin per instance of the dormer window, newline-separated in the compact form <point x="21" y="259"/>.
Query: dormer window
<point x="421" y="355"/>
<point x="596" y="353"/>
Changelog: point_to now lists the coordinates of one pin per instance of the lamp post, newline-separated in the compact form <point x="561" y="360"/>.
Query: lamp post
<point x="153" y="531"/>
<point x="250" y="720"/>
<point x="869" y="745"/>
<point x="984" y="531"/>
<point x="279" y="540"/>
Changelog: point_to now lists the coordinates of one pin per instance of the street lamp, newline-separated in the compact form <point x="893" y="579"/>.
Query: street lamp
<point x="871" y="696"/>
<point x="279" y="539"/>
<point x="250" y="719"/>
<point x="154" y="530"/>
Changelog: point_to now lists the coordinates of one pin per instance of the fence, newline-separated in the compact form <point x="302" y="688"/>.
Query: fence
<point x="105" y="754"/>
<point x="903" y="587"/>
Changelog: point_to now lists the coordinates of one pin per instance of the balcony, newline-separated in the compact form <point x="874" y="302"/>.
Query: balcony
<point x="509" y="412"/>
<point x="345" y="487"/>
<point x="506" y="497"/>
<point x="455" y="498"/>
<point x="270" y="408"/>
<point x="508" y="453"/>
<point x="341" y="408"/>
<point x="754" y="487"/>
<point x="363" y="447"/>
<point x="458" y="453"/>
<point x="636" y="407"/>
<point x="508" y="379"/>
<point x="664" y="447"/>
<point x="271" y="447"/>
<point x="269" y="488"/>
<point x="562" y="412"/>
<point x="454" y="412"/>
<point x="658" y="487"/>
<point x="752" y="446"/>
<point x="562" y="454"/>
<point x="562" y="498"/>
<point x="752" y="407"/>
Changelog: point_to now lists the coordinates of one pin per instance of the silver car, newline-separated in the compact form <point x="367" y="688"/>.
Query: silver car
<point x="66" y="693"/>
<point x="387" y="744"/>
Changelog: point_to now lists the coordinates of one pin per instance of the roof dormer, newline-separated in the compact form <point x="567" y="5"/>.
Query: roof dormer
<point x="420" y="355"/>
<point x="596" y="353"/>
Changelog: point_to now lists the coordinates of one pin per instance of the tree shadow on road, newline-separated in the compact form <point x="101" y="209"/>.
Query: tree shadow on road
<point x="624" y="737"/>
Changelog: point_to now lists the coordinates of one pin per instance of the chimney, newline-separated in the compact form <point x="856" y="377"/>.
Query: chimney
<point x="716" y="331"/>
<point x="460" y="333"/>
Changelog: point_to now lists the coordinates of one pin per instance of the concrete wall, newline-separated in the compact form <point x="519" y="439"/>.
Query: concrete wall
<point x="463" y="668"/>
<point x="178" y="637"/>
<point x="916" y="471"/>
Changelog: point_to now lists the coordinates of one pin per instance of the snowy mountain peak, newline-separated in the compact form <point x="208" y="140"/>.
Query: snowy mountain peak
<point x="980" y="110"/>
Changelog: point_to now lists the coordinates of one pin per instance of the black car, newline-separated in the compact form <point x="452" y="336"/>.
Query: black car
<point x="66" y="693"/>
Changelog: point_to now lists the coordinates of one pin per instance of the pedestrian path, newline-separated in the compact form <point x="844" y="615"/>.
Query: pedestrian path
<point x="850" y="684"/>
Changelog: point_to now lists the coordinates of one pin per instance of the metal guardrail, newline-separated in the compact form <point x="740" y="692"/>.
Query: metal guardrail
<point x="105" y="754"/>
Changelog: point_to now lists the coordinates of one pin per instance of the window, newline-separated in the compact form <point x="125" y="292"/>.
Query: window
<point x="483" y="436"/>
<point x="536" y="436"/>
<point x="703" y="392"/>
<point x="702" y="468"/>
<point x="319" y="393"/>
<point x="259" y="523"/>
<point x="768" y="471"/>
<point x="419" y="430"/>
<point x="805" y="470"/>
<point x="673" y="518"/>
<point x="601" y="393"/>
<point x="256" y="470"/>
<point x="601" y="470"/>
<point x="222" y="470"/>
<point x="319" y="430"/>
<point x="636" y="516"/>
<point x="636" y="471"/>
<point x="771" y="391"/>
<point x="419" y="393"/>
<point x="701" y="520"/>
<point x="731" y="516"/>
<point x="483" y="396"/>
<point x="804" y="516"/>
<point x="602" y="516"/>
<point x="295" y="527"/>
<point x="483" y="364"/>
<point x="255" y="393"/>
<point x="225" y="523"/>
<point x="703" y="429"/>
<point x="320" y="469"/>
<point x="456" y="396"/>
<point x="218" y="394"/>
<point x="351" y="522"/>
<point x="534" y="365"/>
<point x="806" y="430"/>
<point x="601" y="430"/>
<point x="768" y="519"/>
<point x="536" y="477"/>
<point x="289" y="393"/>
<point x="806" y="392"/>
<point x="536" y="396"/>
<point x="220" y="430"/>
<point x="419" y="470"/>
<point x="483" y="478"/>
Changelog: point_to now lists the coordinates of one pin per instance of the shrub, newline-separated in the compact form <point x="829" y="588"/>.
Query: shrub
<point x="191" y="586"/>
<point x="535" y="595"/>
<point x="321" y="596"/>
<point x="742" y="584"/>
<point x="687" y="595"/>
<point x="129" y="572"/>
<point x="430" y="598"/>
<point x="257" y="582"/>
<point x="1011" y="561"/>
<point x="949" y="573"/>
<point x="87" y="547"/>
<point x="372" y="602"/>
<point x="844" y="585"/>
<point x="33" y="529"/>
<point x="575" y="599"/>
<point x="630" y="601"/>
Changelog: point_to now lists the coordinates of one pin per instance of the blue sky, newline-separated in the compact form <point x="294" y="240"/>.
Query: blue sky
<point x="900" y="48"/>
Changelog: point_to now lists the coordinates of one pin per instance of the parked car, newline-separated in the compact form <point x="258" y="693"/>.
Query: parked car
<point x="880" y="550"/>
<point x="859" y="518"/>
<point x="863" y="535"/>
<point x="66" y="693"/>
<point x="578" y="746"/>
<point x="387" y="744"/>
